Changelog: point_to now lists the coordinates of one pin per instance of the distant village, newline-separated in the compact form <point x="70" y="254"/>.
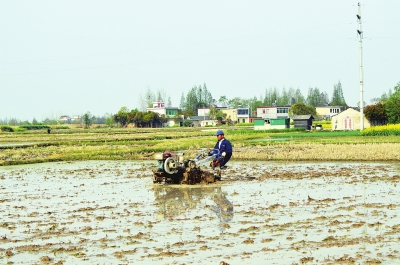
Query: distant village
<point x="263" y="118"/>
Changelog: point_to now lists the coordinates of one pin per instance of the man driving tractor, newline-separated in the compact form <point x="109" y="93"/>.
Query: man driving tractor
<point x="223" y="147"/>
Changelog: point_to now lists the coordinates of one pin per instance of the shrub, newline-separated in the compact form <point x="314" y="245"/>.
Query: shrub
<point x="5" y="128"/>
<point x="35" y="127"/>
<point x="60" y="127"/>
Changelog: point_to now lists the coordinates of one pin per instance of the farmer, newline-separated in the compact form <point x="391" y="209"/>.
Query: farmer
<point x="223" y="147"/>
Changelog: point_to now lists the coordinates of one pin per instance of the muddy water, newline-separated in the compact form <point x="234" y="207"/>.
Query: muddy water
<point x="108" y="212"/>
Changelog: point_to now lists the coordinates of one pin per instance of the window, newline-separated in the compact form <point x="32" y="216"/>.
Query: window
<point x="171" y="112"/>
<point x="243" y="111"/>
<point x="282" y="110"/>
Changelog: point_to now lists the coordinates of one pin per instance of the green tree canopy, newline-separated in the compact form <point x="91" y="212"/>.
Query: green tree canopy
<point x="182" y="103"/>
<point x="217" y="114"/>
<point x="151" y="118"/>
<point x="337" y="96"/>
<point x="392" y="106"/>
<point x="300" y="108"/>
<point x="177" y="118"/>
<point x="316" y="98"/>
<point x="87" y="119"/>
<point x="223" y="101"/>
<point x="235" y="102"/>
<point x="122" y="117"/>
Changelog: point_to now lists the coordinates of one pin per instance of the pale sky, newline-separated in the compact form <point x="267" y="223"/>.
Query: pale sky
<point x="70" y="57"/>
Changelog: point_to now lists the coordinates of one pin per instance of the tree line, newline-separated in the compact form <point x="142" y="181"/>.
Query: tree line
<point x="200" y="96"/>
<point x="384" y="108"/>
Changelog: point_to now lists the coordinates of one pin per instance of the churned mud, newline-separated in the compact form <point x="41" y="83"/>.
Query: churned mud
<point x="109" y="212"/>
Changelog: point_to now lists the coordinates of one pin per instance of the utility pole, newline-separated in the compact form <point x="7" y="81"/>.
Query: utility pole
<point x="359" y="32"/>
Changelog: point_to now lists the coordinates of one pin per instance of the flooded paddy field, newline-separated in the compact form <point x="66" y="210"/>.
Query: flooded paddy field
<point x="110" y="212"/>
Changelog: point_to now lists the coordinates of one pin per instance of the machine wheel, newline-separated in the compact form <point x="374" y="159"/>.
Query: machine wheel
<point x="191" y="164"/>
<point x="170" y="165"/>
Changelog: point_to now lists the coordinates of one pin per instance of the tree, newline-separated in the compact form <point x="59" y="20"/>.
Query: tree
<point x="254" y="103"/>
<point x="315" y="97"/>
<point x="324" y="99"/>
<point x="235" y="102"/>
<point x="149" y="98"/>
<point x="187" y="123"/>
<point x="223" y="101"/>
<point x="272" y="96"/>
<point x="337" y="96"/>
<point x="109" y="121"/>
<point x="204" y="96"/>
<point x="375" y="100"/>
<point x="182" y="103"/>
<point x="87" y="119"/>
<point x="131" y="115"/>
<point x="169" y="103"/>
<point x="151" y="118"/>
<point x="122" y="117"/>
<point x="386" y="96"/>
<point x="192" y="102"/>
<point x="392" y="106"/>
<point x="47" y="121"/>
<point x="376" y="113"/>
<point x="24" y="123"/>
<point x="207" y="97"/>
<point x="299" y="96"/>
<point x="146" y="100"/>
<point x="300" y="108"/>
<point x="217" y="114"/>
<point x="188" y="113"/>
<point x="138" y="119"/>
<point x="177" y="118"/>
<point x="161" y="95"/>
<point x="200" y="98"/>
<point x="364" y="104"/>
<point x="284" y="99"/>
<point x="163" y="119"/>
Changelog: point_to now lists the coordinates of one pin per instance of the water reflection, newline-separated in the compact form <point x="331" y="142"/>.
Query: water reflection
<point x="176" y="201"/>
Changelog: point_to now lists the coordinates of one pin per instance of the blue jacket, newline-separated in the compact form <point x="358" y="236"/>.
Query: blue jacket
<point x="226" y="147"/>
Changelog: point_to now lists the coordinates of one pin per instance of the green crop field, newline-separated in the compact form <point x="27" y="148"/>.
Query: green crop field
<point x="69" y="144"/>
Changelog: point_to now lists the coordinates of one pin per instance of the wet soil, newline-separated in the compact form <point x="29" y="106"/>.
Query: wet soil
<point x="110" y="212"/>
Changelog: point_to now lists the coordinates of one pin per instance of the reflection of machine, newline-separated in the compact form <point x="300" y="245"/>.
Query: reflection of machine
<point x="174" y="168"/>
<point x="174" y="201"/>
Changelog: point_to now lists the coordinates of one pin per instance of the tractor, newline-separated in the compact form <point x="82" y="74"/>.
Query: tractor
<point x="175" y="169"/>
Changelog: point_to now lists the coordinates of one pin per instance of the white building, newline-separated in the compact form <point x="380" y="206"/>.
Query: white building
<point x="328" y="111"/>
<point x="64" y="119"/>
<point x="348" y="120"/>
<point x="239" y="115"/>
<point x="243" y="115"/>
<point x="272" y="112"/>
<point x="168" y="112"/>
